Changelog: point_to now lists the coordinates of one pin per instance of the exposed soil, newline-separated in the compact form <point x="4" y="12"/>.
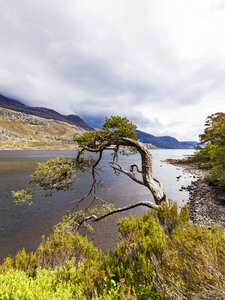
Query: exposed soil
<point x="207" y="201"/>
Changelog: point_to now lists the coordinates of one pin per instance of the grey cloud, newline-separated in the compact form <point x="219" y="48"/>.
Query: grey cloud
<point x="92" y="60"/>
<point x="96" y="120"/>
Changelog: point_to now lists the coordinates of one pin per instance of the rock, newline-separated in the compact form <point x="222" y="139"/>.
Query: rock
<point x="206" y="201"/>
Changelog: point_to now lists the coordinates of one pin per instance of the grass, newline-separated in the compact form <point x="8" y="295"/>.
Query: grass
<point x="23" y="135"/>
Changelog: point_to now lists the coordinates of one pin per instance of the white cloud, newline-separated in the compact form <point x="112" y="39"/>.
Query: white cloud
<point x="160" y="63"/>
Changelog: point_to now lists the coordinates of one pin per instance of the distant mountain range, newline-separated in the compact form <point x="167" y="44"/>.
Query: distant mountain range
<point x="42" y="112"/>
<point x="167" y="142"/>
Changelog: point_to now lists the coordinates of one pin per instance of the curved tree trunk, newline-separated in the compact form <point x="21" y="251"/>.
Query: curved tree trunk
<point x="146" y="159"/>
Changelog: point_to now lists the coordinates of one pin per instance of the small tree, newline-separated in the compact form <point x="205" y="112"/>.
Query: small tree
<point x="118" y="135"/>
<point x="214" y="130"/>
<point x="213" y="154"/>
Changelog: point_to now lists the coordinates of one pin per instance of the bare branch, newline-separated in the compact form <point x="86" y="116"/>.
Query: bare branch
<point x="141" y="203"/>
<point x="93" y="171"/>
<point x="94" y="182"/>
<point x="160" y="184"/>
<point x="117" y="167"/>
<point x="115" y="155"/>
<point x="132" y="167"/>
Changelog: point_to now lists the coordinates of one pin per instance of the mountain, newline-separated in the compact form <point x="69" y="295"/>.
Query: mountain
<point x="23" y="131"/>
<point x="42" y="112"/>
<point x="74" y="120"/>
<point x="166" y="142"/>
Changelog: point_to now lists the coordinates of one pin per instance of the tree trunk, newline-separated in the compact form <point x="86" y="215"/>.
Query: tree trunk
<point x="146" y="160"/>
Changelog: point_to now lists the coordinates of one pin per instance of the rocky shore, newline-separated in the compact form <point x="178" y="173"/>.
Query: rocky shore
<point x="207" y="201"/>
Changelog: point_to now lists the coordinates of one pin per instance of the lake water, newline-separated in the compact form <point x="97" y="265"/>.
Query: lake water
<point x="23" y="226"/>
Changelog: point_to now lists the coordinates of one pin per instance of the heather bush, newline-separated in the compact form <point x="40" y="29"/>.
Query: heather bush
<point x="161" y="256"/>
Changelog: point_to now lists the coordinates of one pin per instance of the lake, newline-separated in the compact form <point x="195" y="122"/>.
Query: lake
<point x="23" y="226"/>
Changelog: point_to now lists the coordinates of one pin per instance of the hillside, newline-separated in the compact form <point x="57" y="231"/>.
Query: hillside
<point x="167" y="142"/>
<point x="22" y="131"/>
<point x="42" y="112"/>
<point x="46" y="114"/>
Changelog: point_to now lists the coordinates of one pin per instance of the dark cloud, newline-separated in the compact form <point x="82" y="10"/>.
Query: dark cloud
<point x="163" y="69"/>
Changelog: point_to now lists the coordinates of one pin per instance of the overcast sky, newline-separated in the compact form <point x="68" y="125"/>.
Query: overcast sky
<point x="161" y="63"/>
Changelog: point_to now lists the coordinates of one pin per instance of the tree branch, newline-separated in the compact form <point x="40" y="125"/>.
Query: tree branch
<point x="117" y="167"/>
<point x="137" y="168"/>
<point x="102" y="146"/>
<point x="141" y="203"/>
<point x="93" y="172"/>
<point x="146" y="160"/>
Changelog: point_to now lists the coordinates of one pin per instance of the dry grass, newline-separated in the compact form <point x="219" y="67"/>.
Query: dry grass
<point x="16" y="134"/>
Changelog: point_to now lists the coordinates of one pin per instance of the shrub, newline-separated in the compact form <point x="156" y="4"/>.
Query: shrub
<point x="160" y="256"/>
<point x="186" y="261"/>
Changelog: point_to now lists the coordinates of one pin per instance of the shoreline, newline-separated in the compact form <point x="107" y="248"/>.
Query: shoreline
<point x="207" y="202"/>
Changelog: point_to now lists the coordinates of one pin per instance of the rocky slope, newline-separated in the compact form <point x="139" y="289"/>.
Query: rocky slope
<point x="23" y="131"/>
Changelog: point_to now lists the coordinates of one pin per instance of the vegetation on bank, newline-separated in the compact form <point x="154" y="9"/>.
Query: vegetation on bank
<point x="160" y="256"/>
<point x="212" y="155"/>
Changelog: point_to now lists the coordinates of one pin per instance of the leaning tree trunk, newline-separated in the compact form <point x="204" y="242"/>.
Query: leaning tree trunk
<point x="146" y="173"/>
<point x="146" y="160"/>
<point x="151" y="183"/>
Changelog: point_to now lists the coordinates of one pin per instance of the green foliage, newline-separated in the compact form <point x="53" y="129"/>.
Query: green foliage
<point x="217" y="163"/>
<point x="55" y="174"/>
<point x="215" y="130"/>
<point x="212" y="155"/>
<point x="187" y="263"/>
<point x="169" y="217"/>
<point x="18" y="285"/>
<point x="160" y="256"/>
<point x="55" y="251"/>
<point x="23" y="196"/>
<point x="113" y="128"/>
<point x="120" y="127"/>
<point x="146" y="292"/>
<point x="202" y="155"/>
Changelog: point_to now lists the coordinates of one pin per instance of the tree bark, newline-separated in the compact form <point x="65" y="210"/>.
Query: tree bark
<point x="136" y="204"/>
<point x="146" y="160"/>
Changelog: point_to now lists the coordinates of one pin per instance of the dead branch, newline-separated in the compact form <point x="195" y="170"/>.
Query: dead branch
<point x="136" y="204"/>
<point x="134" y="166"/>
<point x="117" y="167"/>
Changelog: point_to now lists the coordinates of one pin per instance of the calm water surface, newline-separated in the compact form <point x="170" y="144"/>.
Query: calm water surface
<point x="23" y="226"/>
